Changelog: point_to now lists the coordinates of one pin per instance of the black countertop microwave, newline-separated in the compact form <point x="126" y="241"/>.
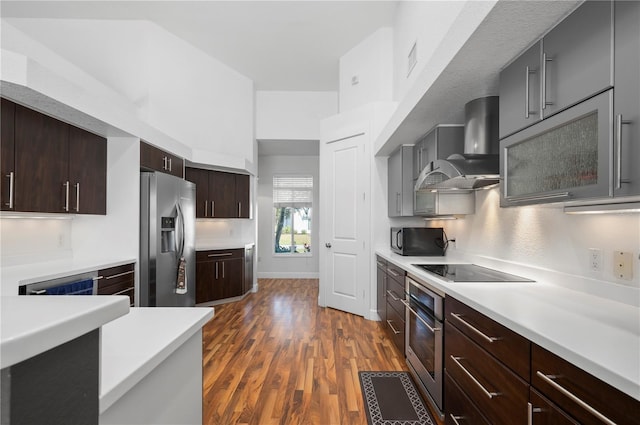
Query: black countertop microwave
<point x="418" y="241"/>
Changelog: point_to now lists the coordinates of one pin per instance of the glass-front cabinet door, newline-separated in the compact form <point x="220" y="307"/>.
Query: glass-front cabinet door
<point x="565" y="157"/>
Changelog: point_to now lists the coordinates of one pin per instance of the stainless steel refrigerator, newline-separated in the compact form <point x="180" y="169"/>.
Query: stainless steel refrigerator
<point x="167" y="241"/>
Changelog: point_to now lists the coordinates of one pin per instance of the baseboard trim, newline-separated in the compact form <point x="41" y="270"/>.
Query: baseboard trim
<point x="288" y="275"/>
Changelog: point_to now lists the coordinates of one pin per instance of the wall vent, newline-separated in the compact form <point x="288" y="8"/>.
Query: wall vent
<point x="412" y="58"/>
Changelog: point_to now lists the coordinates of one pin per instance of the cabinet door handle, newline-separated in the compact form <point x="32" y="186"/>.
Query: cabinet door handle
<point x="398" y="208"/>
<point x="473" y="328"/>
<point x="530" y="411"/>
<point x="619" y="123"/>
<point x="549" y="379"/>
<point x="213" y="209"/>
<point x="475" y="381"/>
<point x="226" y="254"/>
<point x="164" y="163"/>
<point x="216" y="270"/>
<point x="527" y="111"/>
<point x="543" y="83"/>
<point x="394" y="330"/>
<point x="380" y="264"/>
<point x="455" y="418"/>
<point x="539" y="197"/>
<point x="77" y="197"/>
<point x="169" y="164"/>
<point x="392" y="295"/>
<point x="11" y="194"/>
<point x="66" y="200"/>
<point x="119" y="274"/>
<point x="123" y="291"/>
<point x="223" y="269"/>
<point x="239" y="209"/>
<point x="206" y="208"/>
<point x="393" y="272"/>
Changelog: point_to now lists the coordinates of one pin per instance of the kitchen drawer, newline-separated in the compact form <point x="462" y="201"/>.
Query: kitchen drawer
<point x="221" y="254"/>
<point x="579" y="393"/>
<point x="396" y="327"/>
<point x="459" y="409"/>
<point x="123" y="288"/>
<point x="507" y="346"/>
<point x="543" y="412"/>
<point x="396" y="273"/>
<point x="395" y="295"/>
<point x="497" y="392"/>
<point x="381" y="262"/>
<point x="116" y="275"/>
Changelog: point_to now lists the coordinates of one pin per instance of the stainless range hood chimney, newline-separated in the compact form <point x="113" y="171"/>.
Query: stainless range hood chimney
<point x="479" y="165"/>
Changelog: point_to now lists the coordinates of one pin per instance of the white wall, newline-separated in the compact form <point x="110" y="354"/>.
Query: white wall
<point x="140" y="78"/>
<point x="29" y="240"/>
<point x="371" y="63"/>
<point x="287" y="115"/>
<point x="422" y="22"/>
<point x="270" y="265"/>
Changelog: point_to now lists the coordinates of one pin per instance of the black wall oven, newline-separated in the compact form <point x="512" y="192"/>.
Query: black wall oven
<point x="424" y="337"/>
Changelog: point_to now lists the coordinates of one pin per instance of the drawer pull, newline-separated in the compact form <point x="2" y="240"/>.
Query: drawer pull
<point x="484" y="390"/>
<point x="119" y="275"/>
<point x="393" y="272"/>
<point x="395" y="332"/>
<point x="530" y="411"/>
<point x="549" y="379"/>
<point x="123" y="291"/>
<point x="473" y="328"/>
<point x="455" y="418"/>
<point x="393" y="295"/>
<point x="380" y="264"/>
<point x="226" y="254"/>
<point x="406" y="304"/>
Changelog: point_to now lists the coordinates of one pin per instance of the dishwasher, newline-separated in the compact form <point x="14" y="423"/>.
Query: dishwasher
<point x="78" y="284"/>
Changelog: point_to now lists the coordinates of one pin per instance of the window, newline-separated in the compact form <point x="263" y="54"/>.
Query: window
<point x="292" y="205"/>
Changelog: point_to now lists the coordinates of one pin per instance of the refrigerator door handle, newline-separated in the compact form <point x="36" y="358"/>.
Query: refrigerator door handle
<point x="180" y="241"/>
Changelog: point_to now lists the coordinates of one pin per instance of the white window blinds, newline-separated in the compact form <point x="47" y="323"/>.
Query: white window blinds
<point x="293" y="191"/>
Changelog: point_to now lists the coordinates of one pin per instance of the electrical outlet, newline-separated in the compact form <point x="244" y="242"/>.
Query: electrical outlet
<point x="623" y="265"/>
<point x="595" y="259"/>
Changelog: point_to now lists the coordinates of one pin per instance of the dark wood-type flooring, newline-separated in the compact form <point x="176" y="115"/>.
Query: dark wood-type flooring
<point x="277" y="358"/>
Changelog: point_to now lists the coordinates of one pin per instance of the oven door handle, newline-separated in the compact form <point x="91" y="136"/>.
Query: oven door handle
<point x="406" y="304"/>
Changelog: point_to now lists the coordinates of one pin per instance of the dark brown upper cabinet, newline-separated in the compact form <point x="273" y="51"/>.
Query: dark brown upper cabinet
<point x="50" y="166"/>
<point x="42" y="163"/>
<point x="7" y="155"/>
<point x="220" y="194"/>
<point x="87" y="172"/>
<point x="155" y="159"/>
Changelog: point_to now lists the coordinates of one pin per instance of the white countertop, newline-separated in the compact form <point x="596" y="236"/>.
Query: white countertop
<point x="133" y="345"/>
<point x="212" y="245"/>
<point x="32" y="325"/>
<point x="599" y="335"/>
<point x="14" y="276"/>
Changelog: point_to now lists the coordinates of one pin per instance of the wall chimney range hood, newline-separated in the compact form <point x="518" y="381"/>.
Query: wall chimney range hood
<point x="478" y="167"/>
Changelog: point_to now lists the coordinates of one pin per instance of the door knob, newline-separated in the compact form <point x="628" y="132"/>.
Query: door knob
<point x="328" y="245"/>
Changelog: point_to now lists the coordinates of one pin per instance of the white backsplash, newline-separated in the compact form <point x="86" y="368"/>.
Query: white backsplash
<point x="545" y="238"/>
<point x="224" y="231"/>
<point x="31" y="240"/>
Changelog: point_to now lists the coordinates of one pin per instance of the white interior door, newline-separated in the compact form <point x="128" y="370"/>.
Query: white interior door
<point x="344" y="225"/>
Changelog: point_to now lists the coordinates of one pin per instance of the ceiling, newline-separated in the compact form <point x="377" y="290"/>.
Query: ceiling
<point x="280" y="45"/>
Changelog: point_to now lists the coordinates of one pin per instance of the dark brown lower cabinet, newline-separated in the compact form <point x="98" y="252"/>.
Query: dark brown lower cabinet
<point x="487" y="380"/>
<point x="460" y="410"/>
<point x="119" y="280"/>
<point x="544" y="412"/>
<point x="578" y="394"/>
<point x="219" y="275"/>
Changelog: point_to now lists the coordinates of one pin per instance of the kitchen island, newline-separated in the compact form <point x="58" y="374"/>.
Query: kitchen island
<point x="141" y="365"/>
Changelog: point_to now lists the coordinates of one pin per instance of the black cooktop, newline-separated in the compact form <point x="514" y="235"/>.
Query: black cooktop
<point x="470" y="273"/>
